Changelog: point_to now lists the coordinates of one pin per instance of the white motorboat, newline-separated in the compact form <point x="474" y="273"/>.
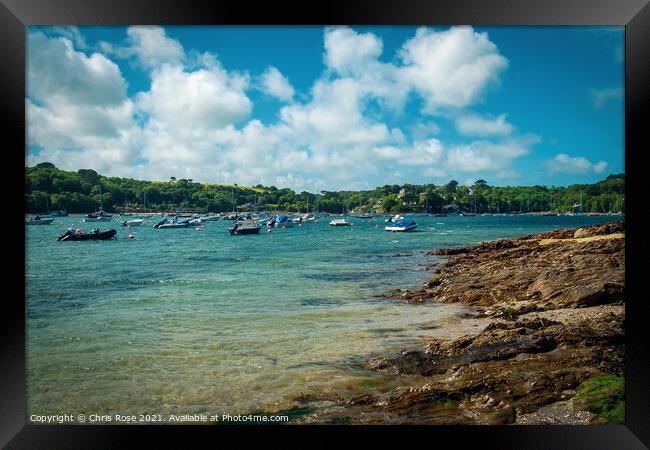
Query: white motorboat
<point x="340" y="223"/>
<point x="133" y="222"/>
<point x="401" y="225"/>
<point x="173" y="225"/>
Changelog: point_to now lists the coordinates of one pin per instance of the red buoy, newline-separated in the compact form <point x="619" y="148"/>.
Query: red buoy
<point x="131" y="236"/>
<point x="269" y="231"/>
<point x="78" y="230"/>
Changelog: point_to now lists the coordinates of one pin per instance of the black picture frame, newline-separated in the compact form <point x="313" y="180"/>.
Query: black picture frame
<point x="15" y="15"/>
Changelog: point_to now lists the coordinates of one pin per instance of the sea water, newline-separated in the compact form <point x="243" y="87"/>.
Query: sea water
<point x="180" y="321"/>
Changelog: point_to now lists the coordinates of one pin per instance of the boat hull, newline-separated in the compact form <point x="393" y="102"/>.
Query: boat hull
<point x="401" y="226"/>
<point x="97" y="219"/>
<point x="173" y="225"/>
<point x="100" y="236"/>
<point x="244" y="230"/>
<point x="39" y="222"/>
<point x="399" y="229"/>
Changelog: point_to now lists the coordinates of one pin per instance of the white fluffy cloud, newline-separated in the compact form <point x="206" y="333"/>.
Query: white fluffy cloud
<point x="277" y="85"/>
<point x="450" y="68"/>
<point x="485" y="155"/>
<point x="149" y="45"/>
<point x="56" y="71"/>
<point x="195" y="120"/>
<point x="77" y="103"/>
<point x="347" y="51"/>
<point x="425" y="153"/>
<point x="574" y="165"/>
<point x="477" y="125"/>
<point x="194" y="101"/>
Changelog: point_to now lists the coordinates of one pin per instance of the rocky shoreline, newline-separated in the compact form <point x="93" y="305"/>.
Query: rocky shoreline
<point x="551" y="309"/>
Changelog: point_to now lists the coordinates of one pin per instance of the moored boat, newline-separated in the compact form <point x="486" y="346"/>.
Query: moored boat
<point x="175" y="223"/>
<point x="38" y="220"/>
<point x="209" y="218"/>
<point x="133" y="222"/>
<point x="99" y="216"/>
<point x="340" y="223"/>
<point x="401" y="225"/>
<point x="281" y="221"/>
<point x="245" y="227"/>
<point x="94" y="235"/>
<point x="394" y="218"/>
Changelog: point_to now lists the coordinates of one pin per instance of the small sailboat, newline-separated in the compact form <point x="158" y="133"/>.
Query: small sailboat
<point x="401" y="225"/>
<point x="38" y="220"/>
<point x="99" y="216"/>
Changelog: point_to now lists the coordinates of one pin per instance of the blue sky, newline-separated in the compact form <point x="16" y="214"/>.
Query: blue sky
<point x="315" y="108"/>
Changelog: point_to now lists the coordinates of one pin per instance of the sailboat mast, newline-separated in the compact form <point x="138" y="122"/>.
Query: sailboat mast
<point x="101" y="203"/>
<point x="581" y="208"/>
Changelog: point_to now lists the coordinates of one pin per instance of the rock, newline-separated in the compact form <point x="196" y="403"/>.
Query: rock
<point x="523" y="366"/>
<point x="567" y="273"/>
<point x="580" y="233"/>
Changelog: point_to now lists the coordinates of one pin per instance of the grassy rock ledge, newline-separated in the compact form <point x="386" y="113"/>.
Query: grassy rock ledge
<point x="551" y="307"/>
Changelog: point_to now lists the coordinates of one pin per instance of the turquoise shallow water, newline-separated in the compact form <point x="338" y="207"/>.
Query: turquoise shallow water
<point x="179" y="321"/>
